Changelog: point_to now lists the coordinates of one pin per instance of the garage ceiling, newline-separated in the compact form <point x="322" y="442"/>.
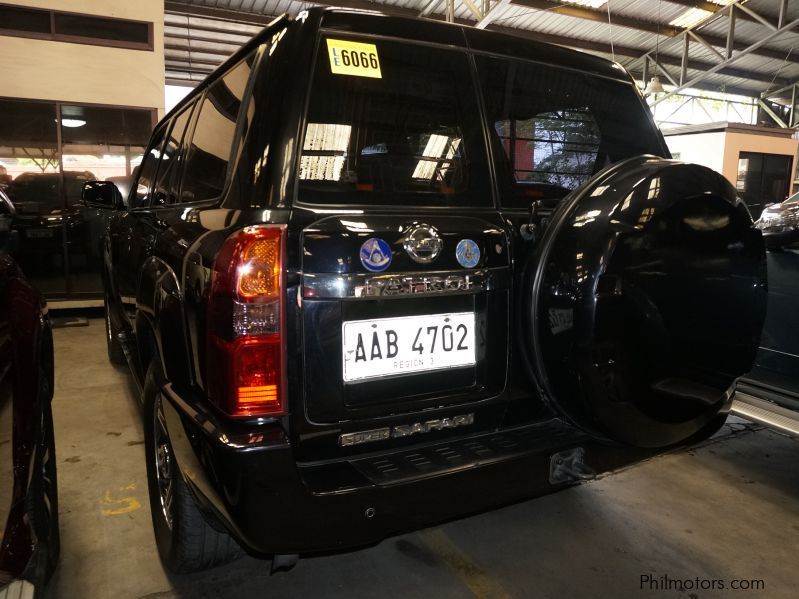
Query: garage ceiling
<point x="646" y="36"/>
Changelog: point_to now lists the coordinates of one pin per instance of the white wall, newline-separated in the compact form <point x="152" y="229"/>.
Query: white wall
<point x="49" y="70"/>
<point x="706" y="149"/>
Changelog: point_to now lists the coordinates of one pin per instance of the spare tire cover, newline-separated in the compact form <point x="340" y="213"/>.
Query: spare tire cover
<point x="644" y="301"/>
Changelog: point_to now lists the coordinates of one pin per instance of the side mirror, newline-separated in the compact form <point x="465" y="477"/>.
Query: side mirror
<point x="102" y="194"/>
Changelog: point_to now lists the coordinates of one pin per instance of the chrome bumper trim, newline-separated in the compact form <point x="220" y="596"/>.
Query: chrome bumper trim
<point x="394" y="285"/>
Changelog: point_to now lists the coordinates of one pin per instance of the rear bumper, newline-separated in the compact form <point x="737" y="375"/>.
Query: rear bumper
<point x="249" y="483"/>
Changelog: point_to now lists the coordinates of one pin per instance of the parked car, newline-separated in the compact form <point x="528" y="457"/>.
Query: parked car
<point x="770" y="393"/>
<point x="29" y="538"/>
<point x="8" y="214"/>
<point x="378" y="272"/>
<point x="45" y="217"/>
<point x="780" y="223"/>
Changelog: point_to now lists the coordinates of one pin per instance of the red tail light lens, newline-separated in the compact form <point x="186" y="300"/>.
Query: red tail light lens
<point x="246" y="350"/>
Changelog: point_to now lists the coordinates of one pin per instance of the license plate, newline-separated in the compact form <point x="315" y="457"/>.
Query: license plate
<point x="38" y="233"/>
<point x="409" y="344"/>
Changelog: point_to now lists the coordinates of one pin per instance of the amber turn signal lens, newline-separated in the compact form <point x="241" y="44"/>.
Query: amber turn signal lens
<point x="259" y="273"/>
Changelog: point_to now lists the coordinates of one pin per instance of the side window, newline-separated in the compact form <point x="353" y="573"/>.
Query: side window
<point x="164" y="191"/>
<point x="147" y="171"/>
<point x="209" y="152"/>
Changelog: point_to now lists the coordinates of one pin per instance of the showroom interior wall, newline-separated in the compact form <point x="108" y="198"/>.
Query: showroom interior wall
<point x="82" y="86"/>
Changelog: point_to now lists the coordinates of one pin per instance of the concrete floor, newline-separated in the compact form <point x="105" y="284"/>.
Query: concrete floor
<point x="728" y="509"/>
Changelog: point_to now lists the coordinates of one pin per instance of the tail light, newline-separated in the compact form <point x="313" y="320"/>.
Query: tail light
<point x="246" y="312"/>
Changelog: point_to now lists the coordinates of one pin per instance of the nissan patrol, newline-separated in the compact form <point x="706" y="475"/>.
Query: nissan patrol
<point x="375" y="273"/>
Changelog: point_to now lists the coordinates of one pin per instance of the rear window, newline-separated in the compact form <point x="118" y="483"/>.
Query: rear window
<point x="556" y="128"/>
<point x="392" y="123"/>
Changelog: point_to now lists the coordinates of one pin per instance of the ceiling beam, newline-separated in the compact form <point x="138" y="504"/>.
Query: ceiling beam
<point x="492" y="14"/>
<point x="183" y="34"/>
<point x="704" y="5"/>
<point x="194" y="62"/>
<point x="573" y="11"/>
<point x="726" y="63"/>
<point x="195" y="49"/>
<point x="429" y="7"/>
<point x="222" y="14"/>
<point x="207" y="28"/>
<point x="588" y="45"/>
<point x="601" y="16"/>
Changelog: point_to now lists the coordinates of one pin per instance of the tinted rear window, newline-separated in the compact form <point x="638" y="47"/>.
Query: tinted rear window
<point x="401" y="129"/>
<point x="555" y="128"/>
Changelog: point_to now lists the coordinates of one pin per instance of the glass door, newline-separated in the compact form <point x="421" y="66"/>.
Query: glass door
<point x="30" y="173"/>
<point x="763" y="179"/>
<point x="101" y="143"/>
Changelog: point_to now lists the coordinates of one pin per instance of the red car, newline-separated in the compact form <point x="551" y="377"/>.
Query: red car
<point x="29" y="539"/>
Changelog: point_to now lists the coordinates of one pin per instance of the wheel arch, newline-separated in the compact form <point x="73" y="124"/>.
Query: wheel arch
<point x="160" y="322"/>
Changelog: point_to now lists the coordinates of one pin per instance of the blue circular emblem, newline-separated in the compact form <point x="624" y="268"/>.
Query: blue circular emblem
<point x="375" y="254"/>
<point x="467" y="253"/>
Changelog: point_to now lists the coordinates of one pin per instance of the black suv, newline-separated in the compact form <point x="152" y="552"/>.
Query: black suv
<point x="378" y="272"/>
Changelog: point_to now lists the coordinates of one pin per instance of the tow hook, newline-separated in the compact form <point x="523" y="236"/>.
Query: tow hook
<point x="569" y="466"/>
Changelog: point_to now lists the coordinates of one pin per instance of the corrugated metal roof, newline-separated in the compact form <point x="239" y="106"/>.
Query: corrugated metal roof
<point x="195" y="44"/>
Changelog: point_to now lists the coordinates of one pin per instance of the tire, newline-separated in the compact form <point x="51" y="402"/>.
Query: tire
<point x="116" y="355"/>
<point x="42" y="500"/>
<point x="644" y="302"/>
<point x="186" y="542"/>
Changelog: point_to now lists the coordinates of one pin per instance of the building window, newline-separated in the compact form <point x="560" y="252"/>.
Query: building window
<point x="73" y="27"/>
<point x="763" y="179"/>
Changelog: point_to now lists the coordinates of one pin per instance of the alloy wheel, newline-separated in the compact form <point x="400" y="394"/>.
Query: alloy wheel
<point x="164" y="464"/>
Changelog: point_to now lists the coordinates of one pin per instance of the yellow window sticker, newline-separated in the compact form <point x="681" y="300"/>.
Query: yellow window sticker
<point x="353" y="58"/>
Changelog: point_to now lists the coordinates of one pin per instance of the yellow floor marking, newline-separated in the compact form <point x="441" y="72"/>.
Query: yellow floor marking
<point x="480" y="584"/>
<point x="122" y="505"/>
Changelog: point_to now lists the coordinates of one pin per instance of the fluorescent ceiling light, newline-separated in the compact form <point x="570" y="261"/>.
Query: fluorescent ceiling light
<point x="321" y="168"/>
<point x="327" y="137"/>
<point x="589" y="3"/>
<point x="722" y="2"/>
<point x="438" y="147"/>
<point x="690" y="17"/>
<point x="72" y="122"/>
